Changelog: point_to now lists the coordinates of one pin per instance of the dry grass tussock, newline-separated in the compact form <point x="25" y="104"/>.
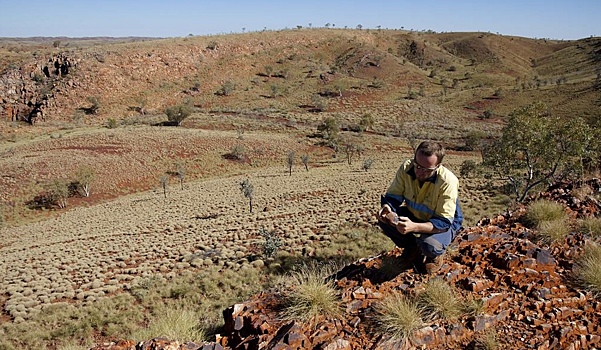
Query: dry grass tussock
<point x="549" y="219"/>
<point x="588" y="268"/>
<point x="313" y="295"/>
<point x="398" y="316"/>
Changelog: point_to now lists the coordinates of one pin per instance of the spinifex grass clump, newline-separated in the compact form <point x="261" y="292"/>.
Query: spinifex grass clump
<point x="179" y="324"/>
<point x="313" y="295"/>
<point x="398" y="316"/>
<point x="439" y="299"/>
<point x="549" y="219"/>
<point x="588" y="268"/>
<point x="591" y="227"/>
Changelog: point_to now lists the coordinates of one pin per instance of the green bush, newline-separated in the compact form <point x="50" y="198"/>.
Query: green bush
<point x="177" y="114"/>
<point x="272" y="242"/>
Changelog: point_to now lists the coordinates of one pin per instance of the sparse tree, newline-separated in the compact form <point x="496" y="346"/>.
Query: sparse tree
<point x="180" y="172"/>
<point x="290" y="161"/>
<point x="305" y="159"/>
<point x="329" y="129"/>
<point x="164" y="180"/>
<point x="59" y="192"/>
<point x="84" y="177"/>
<point x="366" y="122"/>
<point x="536" y="146"/>
<point x="247" y="189"/>
<point x="349" y="149"/>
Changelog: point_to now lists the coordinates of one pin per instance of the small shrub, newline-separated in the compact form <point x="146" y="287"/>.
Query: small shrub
<point x="588" y="268"/>
<point x="111" y="123"/>
<point x="305" y="159"/>
<point x="272" y="242"/>
<point x="312" y="295"/>
<point x="367" y="164"/>
<point x="488" y="341"/>
<point x="238" y="152"/>
<point x="212" y="45"/>
<point x="95" y="105"/>
<point x="398" y="316"/>
<point x="439" y="299"/>
<point x="177" y="114"/>
<point x="226" y="89"/>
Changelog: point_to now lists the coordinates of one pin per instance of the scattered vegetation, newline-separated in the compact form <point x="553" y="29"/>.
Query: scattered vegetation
<point x="180" y="324"/>
<point x="591" y="227"/>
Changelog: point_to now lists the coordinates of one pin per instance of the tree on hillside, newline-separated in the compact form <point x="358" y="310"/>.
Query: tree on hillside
<point x="536" y="147"/>
<point x="180" y="172"/>
<point x="305" y="159"/>
<point x="177" y="114"/>
<point x="247" y="189"/>
<point x="329" y="129"/>
<point x="163" y="180"/>
<point x="84" y="177"/>
<point x="290" y="161"/>
<point x="58" y="192"/>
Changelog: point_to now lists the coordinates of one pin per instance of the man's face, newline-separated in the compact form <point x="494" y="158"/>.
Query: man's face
<point x="424" y="166"/>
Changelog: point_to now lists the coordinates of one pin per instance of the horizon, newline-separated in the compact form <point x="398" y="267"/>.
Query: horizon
<point x="538" y="19"/>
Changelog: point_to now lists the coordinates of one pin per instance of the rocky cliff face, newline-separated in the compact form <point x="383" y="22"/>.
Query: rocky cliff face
<point x="28" y="92"/>
<point x="529" y="295"/>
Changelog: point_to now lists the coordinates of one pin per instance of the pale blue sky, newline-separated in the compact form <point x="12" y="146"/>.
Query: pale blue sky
<point x="555" y="19"/>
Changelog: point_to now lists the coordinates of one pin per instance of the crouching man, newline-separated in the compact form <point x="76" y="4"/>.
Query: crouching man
<point x="420" y="210"/>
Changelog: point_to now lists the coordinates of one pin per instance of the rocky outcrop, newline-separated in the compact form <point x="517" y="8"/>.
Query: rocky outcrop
<point x="527" y="290"/>
<point x="27" y="92"/>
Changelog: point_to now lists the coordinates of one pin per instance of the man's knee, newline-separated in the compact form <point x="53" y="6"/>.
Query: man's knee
<point x="431" y="247"/>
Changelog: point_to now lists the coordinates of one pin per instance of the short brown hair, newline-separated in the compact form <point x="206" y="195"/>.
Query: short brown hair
<point x="429" y="148"/>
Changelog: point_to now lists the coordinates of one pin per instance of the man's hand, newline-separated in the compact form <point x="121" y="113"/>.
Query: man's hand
<point x="387" y="215"/>
<point x="405" y="225"/>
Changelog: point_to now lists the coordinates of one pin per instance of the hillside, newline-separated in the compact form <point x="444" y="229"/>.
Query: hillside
<point x="165" y="205"/>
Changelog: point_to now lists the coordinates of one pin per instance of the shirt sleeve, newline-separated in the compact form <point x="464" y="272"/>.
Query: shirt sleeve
<point x="447" y="205"/>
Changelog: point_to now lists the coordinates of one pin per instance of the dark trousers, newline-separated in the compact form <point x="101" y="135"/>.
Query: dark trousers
<point x="430" y="245"/>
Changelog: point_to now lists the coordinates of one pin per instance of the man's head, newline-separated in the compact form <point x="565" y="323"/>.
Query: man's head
<point x="428" y="157"/>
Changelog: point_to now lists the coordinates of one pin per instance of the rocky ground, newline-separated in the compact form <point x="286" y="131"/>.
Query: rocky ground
<point x="530" y="297"/>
